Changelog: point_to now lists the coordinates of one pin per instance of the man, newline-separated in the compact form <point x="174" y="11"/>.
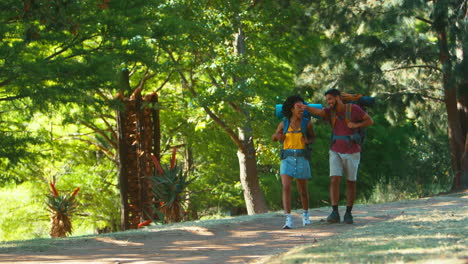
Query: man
<point x="345" y="151"/>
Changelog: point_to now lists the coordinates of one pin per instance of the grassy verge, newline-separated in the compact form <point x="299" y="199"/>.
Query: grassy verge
<point x="418" y="235"/>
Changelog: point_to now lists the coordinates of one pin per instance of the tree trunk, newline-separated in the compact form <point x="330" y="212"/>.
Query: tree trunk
<point x="156" y="126"/>
<point x="462" y="55"/>
<point x="455" y="106"/>
<point x="128" y="160"/>
<point x="123" y="148"/>
<point x="463" y="115"/>
<point x="456" y="138"/>
<point x="253" y="195"/>
<point x="123" y="172"/>
<point x="145" y="143"/>
<point x="136" y="142"/>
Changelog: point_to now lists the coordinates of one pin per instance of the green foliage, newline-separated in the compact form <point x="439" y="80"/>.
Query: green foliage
<point x="217" y="188"/>
<point x="17" y="140"/>
<point x="72" y="164"/>
<point x="404" y="156"/>
<point x="23" y="214"/>
<point x="64" y="204"/>
<point x="99" y="201"/>
<point x="61" y="71"/>
<point x="169" y="187"/>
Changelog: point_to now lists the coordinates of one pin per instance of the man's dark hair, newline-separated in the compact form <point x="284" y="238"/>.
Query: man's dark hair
<point x="289" y="103"/>
<point x="333" y="91"/>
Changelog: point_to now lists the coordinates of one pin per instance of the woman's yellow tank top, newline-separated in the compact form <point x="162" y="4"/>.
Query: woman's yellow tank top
<point x="293" y="139"/>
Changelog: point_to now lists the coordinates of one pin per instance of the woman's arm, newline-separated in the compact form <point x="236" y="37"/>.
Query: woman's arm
<point x="310" y="134"/>
<point x="278" y="135"/>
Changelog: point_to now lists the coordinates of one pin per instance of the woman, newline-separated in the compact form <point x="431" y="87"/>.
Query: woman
<point x="296" y="132"/>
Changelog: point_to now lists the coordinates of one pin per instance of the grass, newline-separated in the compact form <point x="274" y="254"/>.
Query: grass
<point x="417" y="235"/>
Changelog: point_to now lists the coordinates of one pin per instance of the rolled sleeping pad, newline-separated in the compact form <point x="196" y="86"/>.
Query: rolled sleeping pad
<point x="366" y="101"/>
<point x="279" y="111"/>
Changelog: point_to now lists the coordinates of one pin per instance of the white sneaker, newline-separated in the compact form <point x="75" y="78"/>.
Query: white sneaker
<point x="305" y="218"/>
<point x="289" y="222"/>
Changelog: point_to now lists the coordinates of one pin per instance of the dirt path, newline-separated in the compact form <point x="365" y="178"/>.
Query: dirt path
<point x="226" y="242"/>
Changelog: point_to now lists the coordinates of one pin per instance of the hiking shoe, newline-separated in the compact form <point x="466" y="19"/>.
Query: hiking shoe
<point x="305" y="218"/>
<point x="334" y="217"/>
<point x="348" y="218"/>
<point x="289" y="222"/>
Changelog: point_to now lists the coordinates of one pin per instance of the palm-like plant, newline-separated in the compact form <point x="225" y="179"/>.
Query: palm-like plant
<point x="61" y="207"/>
<point x="168" y="188"/>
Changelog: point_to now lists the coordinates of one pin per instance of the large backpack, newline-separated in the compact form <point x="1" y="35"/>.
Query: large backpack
<point x="358" y="133"/>
<point x="359" y="99"/>
<point x="304" y="122"/>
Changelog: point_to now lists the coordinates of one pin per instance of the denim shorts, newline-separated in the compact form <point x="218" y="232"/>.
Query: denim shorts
<point x="296" y="167"/>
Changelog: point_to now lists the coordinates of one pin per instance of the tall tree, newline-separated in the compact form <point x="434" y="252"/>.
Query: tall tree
<point x="388" y="48"/>
<point x="235" y="62"/>
<point x="450" y="24"/>
<point x="246" y="153"/>
<point x="52" y="55"/>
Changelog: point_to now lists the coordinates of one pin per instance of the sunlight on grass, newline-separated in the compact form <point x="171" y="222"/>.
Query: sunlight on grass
<point x="420" y="234"/>
<point x="20" y="212"/>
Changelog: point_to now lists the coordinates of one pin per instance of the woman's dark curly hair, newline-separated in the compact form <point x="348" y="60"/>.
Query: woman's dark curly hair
<point x="289" y="103"/>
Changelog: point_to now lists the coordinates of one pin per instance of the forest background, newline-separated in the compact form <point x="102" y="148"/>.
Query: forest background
<point x="217" y="69"/>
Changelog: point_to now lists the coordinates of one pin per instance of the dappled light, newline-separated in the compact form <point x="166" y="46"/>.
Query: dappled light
<point x="415" y="229"/>
<point x="199" y="230"/>
<point x="117" y="242"/>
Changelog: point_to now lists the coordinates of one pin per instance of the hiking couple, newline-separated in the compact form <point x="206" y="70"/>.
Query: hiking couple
<point x="297" y="133"/>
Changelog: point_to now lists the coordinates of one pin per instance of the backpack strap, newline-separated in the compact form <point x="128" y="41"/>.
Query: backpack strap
<point x="348" y="113"/>
<point x="304" y="123"/>
<point x="334" y="116"/>
<point x="285" y="125"/>
<point x="349" y="138"/>
<point x="297" y="153"/>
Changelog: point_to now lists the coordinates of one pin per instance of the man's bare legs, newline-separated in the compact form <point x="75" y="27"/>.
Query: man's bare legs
<point x="335" y="196"/>
<point x="350" y="192"/>
<point x="335" y="189"/>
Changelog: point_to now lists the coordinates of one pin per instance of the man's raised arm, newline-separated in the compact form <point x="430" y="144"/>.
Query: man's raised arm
<point x="313" y="110"/>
